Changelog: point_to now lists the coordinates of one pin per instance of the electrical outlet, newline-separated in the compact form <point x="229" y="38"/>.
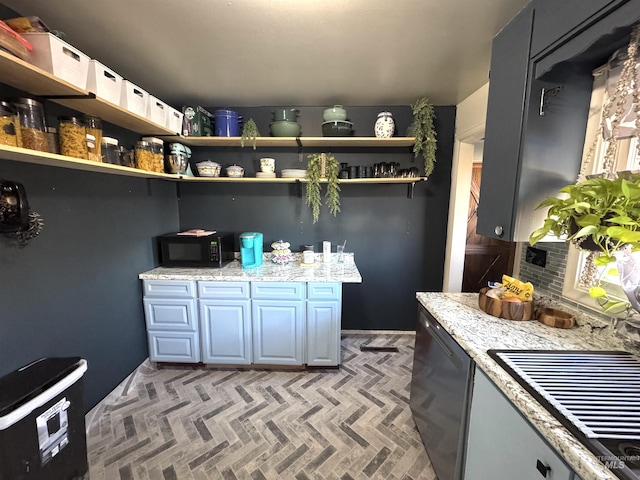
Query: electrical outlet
<point x="535" y="256"/>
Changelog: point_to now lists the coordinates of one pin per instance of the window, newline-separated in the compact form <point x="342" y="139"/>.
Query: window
<point x="626" y="158"/>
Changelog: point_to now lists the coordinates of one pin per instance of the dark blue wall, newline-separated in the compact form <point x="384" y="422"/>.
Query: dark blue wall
<point x="399" y="243"/>
<point x="74" y="289"/>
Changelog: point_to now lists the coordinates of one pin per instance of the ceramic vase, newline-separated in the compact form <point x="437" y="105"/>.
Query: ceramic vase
<point x="385" y="126"/>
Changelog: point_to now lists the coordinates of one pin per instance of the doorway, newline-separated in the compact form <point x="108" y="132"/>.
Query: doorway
<point x="485" y="259"/>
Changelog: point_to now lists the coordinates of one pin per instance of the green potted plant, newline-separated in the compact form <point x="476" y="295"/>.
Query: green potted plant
<point x="601" y="215"/>
<point x="322" y="166"/>
<point x="424" y="131"/>
<point x="249" y="132"/>
<point x="602" y="212"/>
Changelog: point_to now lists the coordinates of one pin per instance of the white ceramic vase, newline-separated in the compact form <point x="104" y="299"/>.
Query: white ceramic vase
<point x="385" y="126"/>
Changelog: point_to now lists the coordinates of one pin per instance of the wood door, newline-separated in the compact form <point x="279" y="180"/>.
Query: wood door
<point x="486" y="259"/>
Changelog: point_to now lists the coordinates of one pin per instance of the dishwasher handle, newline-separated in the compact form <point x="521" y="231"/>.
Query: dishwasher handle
<point x="440" y="336"/>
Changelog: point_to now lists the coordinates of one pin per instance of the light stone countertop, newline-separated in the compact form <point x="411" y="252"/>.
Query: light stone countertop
<point x="332" y="271"/>
<point x="477" y="332"/>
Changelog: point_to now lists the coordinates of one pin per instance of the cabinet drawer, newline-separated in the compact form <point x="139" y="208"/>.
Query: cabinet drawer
<point x="224" y="290"/>
<point x="171" y="314"/>
<point x="278" y="290"/>
<point x="324" y="291"/>
<point x="169" y="288"/>
<point x="183" y="347"/>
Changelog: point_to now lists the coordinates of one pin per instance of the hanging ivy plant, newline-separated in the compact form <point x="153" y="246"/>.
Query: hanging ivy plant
<point x="249" y="132"/>
<point x="425" y="133"/>
<point x="322" y="166"/>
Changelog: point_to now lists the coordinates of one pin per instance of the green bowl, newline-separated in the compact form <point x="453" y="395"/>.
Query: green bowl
<point x="284" y="128"/>
<point x="337" y="129"/>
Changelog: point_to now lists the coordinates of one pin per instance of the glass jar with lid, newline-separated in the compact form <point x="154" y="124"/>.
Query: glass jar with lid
<point x="9" y="126"/>
<point x="94" y="137"/>
<point x="73" y="137"/>
<point x="144" y="155"/>
<point x="53" y="142"/>
<point x="157" y="149"/>
<point x="110" y="151"/>
<point x="32" y="124"/>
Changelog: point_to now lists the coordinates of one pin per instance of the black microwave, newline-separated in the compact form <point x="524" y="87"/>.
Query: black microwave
<point x="213" y="250"/>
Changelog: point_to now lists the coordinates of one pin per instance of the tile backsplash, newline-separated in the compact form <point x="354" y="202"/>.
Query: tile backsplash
<point x="548" y="280"/>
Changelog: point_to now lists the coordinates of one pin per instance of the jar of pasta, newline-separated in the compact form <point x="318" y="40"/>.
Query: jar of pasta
<point x="157" y="149"/>
<point x="73" y="137"/>
<point x="9" y="125"/>
<point x="94" y="137"/>
<point x="32" y="124"/>
<point x="144" y="155"/>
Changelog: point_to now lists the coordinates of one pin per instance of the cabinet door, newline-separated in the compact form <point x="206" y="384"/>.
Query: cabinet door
<point x="225" y="329"/>
<point x="170" y="314"/>
<point x="502" y="442"/>
<point x="555" y="20"/>
<point x="178" y="347"/>
<point x="278" y="330"/>
<point x="505" y="116"/>
<point x="323" y="333"/>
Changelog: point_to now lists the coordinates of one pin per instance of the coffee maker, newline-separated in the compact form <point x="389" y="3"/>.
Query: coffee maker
<point x="251" y="249"/>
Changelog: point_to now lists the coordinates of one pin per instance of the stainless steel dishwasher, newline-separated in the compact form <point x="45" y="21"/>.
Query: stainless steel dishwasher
<point x="441" y="385"/>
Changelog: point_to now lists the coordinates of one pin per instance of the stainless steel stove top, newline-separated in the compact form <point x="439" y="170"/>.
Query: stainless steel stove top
<point x="594" y="394"/>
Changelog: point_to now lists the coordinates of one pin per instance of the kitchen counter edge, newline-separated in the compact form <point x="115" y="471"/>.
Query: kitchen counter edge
<point x="476" y="332"/>
<point x="333" y="271"/>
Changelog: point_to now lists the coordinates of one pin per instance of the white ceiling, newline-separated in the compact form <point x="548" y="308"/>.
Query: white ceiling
<point x="287" y="52"/>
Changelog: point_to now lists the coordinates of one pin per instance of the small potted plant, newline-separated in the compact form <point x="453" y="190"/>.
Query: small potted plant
<point x="599" y="214"/>
<point x="322" y="166"/>
<point x="249" y="132"/>
<point x="424" y="131"/>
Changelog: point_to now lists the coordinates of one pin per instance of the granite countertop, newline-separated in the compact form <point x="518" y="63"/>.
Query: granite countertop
<point x="478" y="332"/>
<point x="293" y="271"/>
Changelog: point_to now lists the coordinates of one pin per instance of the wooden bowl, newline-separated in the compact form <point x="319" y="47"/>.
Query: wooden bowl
<point x="556" y="318"/>
<point x="502" y="309"/>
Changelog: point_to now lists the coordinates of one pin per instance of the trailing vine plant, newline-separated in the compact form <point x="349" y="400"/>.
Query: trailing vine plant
<point x="249" y="132"/>
<point x="322" y="166"/>
<point x="425" y="133"/>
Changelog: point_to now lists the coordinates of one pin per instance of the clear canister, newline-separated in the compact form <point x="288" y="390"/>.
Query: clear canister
<point x="32" y="124"/>
<point x="110" y="151"/>
<point x="9" y="126"/>
<point x="127" y="157"/>
<point x="73" y="137"/>
<point x="144" y="155"/>
<point x="94" y="137"/>
<point x="53" y="142"/>
<point x="157" y="149"/>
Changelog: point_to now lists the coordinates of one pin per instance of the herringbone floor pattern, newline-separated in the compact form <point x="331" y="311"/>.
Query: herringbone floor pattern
<point x="201" y="424"/>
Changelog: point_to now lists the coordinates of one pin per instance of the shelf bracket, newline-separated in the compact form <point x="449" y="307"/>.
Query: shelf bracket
<point x="299" y="149"/>
<point x="410" y="187"/>
<point x="89" y="96"/>
<point x="299" y="185"/>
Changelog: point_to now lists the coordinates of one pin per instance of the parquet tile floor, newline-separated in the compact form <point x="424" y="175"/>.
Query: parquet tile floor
<point x="183" y="423"/>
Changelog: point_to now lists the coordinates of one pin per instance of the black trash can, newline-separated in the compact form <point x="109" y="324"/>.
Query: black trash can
<point x="42" y="429"/>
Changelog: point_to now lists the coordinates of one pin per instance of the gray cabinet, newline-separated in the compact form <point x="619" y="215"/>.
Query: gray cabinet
<point x="278" y="322"/>
<point x="324" y="311"/>
<point x="225" y="322"/>
<point x="535" y="132"/>
<point x="558" y="20"/>
<point x="172" y="321"/>
<point x="502" y="442"/>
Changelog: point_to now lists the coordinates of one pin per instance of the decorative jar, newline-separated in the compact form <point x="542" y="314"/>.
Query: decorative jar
<point x="385" y="126"/>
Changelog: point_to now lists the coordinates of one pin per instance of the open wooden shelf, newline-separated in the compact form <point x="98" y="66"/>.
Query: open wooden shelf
<point x="293" y="141"/>
<point x="32" y="79"/>
<point x="51" y="159"/>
